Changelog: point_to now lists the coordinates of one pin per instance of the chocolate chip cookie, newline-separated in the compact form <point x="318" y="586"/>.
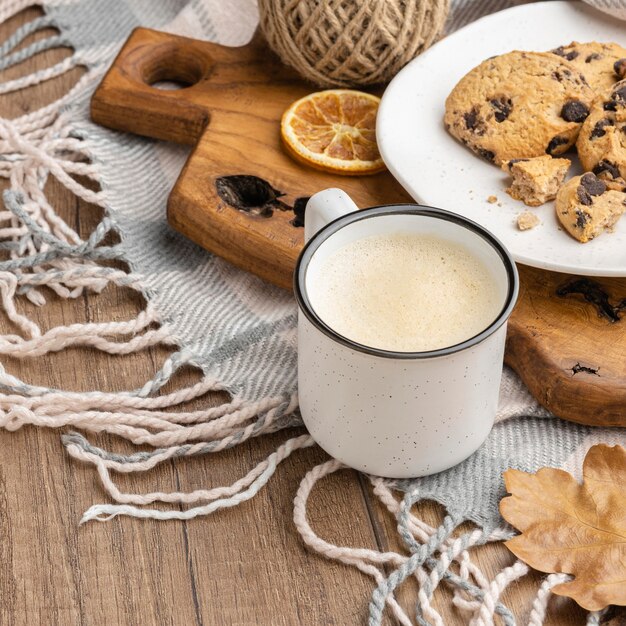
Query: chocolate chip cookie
<point x="586" y="207"/>
<point x="519" y="105"/>
<point x="536" y="181"/>
<point x="602" y="64"/>
<point x="602" y="141"/>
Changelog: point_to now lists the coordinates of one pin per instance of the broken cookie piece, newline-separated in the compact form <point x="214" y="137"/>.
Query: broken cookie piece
<point x="527" y="220"/>
<point x="536" y="180"/>
<point x="586" y="207"/>
<point x="602" y="141"/>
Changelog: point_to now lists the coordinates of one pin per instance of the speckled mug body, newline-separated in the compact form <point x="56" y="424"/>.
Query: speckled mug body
<point x="397" y="418"/>
<point x="397" y="414"/>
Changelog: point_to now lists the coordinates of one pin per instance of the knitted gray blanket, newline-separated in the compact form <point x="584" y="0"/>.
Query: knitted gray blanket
<point x="239" y="331"/>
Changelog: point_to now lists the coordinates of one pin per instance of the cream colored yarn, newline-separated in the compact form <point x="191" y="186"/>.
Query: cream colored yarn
<point x="342" y="43"/>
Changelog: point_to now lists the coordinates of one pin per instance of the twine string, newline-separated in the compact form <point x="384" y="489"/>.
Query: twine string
<point x="345" y="43"/>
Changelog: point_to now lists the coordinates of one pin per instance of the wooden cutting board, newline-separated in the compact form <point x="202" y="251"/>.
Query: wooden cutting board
<point x="242" y="197"/>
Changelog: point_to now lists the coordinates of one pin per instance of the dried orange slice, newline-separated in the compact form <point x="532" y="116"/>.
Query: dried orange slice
<point x="334" y="131"/>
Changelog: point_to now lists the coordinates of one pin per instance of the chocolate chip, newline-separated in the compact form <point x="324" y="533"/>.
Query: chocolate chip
<point x="583" y="196"/>
<point x="593" y="185"/>
<point x="619" y="95"/>
<point x="610" y="106"/>
<point x="502" y="107"/>
<point x="598" y="129"/>
<point x="582" y="217"/>
<point x="620" y="67"/>
<point x="555" y="142"/>
<point x="593" y="57"/>
<point x="574" y="111"/>
<point x="471" y="119"/>
<point x="514" y="161"/>
<point x="562" y="75"/>
<point x="608" y="167"/>
<point x="488" y="155"/>
<point x="570" y="56"/>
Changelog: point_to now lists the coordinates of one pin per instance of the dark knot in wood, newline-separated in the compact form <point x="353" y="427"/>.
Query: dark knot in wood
<point x="594" y="293"/>
<point x="578" y="368"/>
<point x="249" y="193"/>
<point x="299" y="206"/>
<point x="256" y="196"/>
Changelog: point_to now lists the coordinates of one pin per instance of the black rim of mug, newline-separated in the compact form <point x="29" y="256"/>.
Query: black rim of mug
<point x="403" y="209"/>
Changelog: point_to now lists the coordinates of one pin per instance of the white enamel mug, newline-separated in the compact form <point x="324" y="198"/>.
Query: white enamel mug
<point x="397" y="414"/>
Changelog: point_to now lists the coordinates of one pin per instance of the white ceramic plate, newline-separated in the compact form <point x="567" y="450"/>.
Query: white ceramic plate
<point x="438" y="171"/>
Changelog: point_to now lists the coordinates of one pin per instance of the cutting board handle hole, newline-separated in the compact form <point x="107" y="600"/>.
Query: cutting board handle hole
<point x="174" y="65"/>
<point x="169" y="85"/>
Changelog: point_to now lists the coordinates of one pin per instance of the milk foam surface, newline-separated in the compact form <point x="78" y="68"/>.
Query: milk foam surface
<point x="405" y="292"/>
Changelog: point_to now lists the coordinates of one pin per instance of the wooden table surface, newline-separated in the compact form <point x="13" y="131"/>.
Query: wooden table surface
<point x="245" y="565"/>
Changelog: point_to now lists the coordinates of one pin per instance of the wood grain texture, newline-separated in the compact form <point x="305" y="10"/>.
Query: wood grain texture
<point x="244" y="566"/>
<point x="567" y="341"/>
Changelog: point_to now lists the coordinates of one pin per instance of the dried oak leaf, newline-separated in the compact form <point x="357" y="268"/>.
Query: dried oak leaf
<point x="572" y="528"/>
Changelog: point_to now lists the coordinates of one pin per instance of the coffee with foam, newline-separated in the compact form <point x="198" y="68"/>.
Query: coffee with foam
<point x="405" y="292"/>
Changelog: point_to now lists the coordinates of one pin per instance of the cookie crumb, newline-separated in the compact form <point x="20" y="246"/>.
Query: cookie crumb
<point x="527" y="220"/>
<point x="492" y="199"/>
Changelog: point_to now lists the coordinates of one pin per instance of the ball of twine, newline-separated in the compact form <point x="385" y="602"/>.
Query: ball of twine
<point x="343" y="43"/>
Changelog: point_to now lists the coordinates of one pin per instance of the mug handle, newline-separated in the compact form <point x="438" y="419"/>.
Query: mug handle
<point x="324" y="207"/>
